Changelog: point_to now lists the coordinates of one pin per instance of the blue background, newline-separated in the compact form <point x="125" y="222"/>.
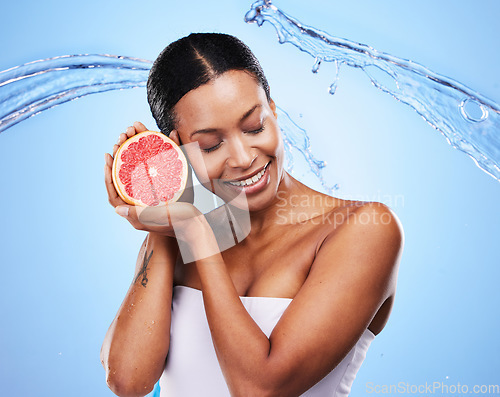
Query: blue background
<point x="67" y="259"/>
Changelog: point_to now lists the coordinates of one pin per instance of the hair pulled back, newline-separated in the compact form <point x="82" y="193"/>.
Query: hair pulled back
<point x="191" y="62"/>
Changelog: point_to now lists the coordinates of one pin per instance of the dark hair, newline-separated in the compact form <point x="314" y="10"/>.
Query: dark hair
<point x="191" y="62"/>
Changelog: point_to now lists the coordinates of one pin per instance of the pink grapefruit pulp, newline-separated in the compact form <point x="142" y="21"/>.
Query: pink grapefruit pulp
<point x="149" y="169"/>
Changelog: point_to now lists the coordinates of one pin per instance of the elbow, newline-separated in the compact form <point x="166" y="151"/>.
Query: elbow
<point x="125" y="376"/>
<point x="125" y="381"/>
<point x="127" y="386"/>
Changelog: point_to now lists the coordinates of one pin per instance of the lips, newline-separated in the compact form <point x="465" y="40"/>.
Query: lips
<point x="253" y="185"/>
<point x="249" y="180"/>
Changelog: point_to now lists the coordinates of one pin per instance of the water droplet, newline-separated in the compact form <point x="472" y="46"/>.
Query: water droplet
<point x="472" y="110"/>
<point x="447" y="377"/>
<point x="332" y="88"/>
<point x="315" y="67"/>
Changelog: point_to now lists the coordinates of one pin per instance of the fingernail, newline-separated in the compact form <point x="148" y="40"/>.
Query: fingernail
<point x="122" y="210"/>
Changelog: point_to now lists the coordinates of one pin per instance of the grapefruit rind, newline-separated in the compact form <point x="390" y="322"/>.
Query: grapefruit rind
<point x="117" y="162"/>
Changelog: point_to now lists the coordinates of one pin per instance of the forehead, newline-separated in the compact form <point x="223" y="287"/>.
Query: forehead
<point x="222" y="100"/>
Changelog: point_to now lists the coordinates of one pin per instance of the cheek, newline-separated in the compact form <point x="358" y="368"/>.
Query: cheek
<point x="207" y="168"/>
<point x="274" y="142"/>
<point x="276" y="149"/>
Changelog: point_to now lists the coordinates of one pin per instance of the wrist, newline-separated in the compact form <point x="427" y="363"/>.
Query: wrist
<point x="198" y="241"/>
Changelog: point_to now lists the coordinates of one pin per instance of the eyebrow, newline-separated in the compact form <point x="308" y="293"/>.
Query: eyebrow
<point x="208" y="130"/>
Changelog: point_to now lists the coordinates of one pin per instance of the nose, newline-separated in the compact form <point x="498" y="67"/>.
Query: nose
<point x="240" y="155"/>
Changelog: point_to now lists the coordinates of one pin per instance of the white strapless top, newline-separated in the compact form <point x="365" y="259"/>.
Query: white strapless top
<point x="192" y="368"/>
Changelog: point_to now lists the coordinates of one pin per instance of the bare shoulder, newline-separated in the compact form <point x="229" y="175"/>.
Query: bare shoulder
<point x="370" y="215"/>
<point x="373" y="213"/>
<point x="368" y="230"/>
<point x="352" y="276"/>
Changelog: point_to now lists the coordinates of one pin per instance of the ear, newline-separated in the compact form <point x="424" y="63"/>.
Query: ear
<point x="273" y="108"/>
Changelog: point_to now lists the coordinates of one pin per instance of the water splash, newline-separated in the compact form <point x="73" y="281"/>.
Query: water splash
<point x="296" y="141"/>
<point x="469" y="121"/>
<point x="31" y="88"/>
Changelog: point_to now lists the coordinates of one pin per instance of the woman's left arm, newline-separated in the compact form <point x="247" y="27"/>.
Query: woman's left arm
<point x="353" y="274"/>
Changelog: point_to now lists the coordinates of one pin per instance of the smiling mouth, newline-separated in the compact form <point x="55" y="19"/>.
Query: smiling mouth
<point x="250" y="181"/>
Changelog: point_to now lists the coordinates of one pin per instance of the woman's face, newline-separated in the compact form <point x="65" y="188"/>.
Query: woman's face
<point x="240" y="144"/>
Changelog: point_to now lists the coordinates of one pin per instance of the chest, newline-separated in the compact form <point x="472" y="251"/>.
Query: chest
<point x="274" y="264"/>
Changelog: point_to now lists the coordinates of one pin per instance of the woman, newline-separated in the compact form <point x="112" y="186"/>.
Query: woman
<point x="289" y="310"/>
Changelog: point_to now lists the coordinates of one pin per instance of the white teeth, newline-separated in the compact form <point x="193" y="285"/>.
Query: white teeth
<point x="251" y="180"/>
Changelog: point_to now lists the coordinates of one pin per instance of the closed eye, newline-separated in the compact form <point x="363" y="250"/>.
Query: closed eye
<point x="258" y="130"/>
<point x="212" y="148"/>
<point x="255" y="131"/>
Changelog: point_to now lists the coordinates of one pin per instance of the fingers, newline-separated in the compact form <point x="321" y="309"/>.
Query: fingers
<point x="113" y="197"/>
<point x="139" y="127"/>
<point x="115" y="148"/>
<point x="129" y="133"/>
<point x="161" y="219"/>
<point x="108" y="160"/>
<point x="153" y="216"/>
<point x="136" y="128"/>
<point x="153" y="219"/>
<point x="130" y="213"/>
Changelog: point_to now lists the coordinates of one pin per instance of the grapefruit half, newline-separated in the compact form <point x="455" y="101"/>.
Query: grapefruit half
<point x="149" y="169"/>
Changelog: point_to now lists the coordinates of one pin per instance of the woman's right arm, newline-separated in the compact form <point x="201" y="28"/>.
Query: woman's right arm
<point x="137" y="342"/>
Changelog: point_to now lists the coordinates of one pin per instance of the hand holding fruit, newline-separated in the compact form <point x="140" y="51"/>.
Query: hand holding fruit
<point x="150" y="169"/>
<point x="147" y="168"/>
<point x="181" y="220"/>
